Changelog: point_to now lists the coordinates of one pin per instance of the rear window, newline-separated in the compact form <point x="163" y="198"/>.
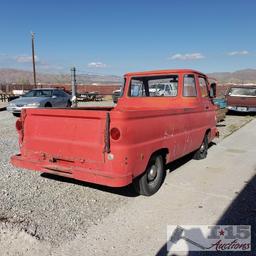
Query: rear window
<point x="245" y="92"/>
<point x="154" y="86"/>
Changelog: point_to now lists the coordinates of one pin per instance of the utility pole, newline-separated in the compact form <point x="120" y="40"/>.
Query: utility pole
<point x="33" y="58"/>
<point x="73" y="85"/>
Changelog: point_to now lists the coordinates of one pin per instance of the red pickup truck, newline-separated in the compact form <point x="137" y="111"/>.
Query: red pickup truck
<point x="129" y="143"/>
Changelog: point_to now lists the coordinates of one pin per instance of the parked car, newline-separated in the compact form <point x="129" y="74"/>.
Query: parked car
<point x="129" y="143"/>
<point x="242" y="98"/>
<point x="38" y="98"/>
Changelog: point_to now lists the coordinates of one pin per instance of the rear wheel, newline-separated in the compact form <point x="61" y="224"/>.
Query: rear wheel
<point x="201" y="153"/>
<point x="151" y="180"/>
<point x="69" y="104"/>
<point x="48" y="105"/>
<point x="16" y="114"/>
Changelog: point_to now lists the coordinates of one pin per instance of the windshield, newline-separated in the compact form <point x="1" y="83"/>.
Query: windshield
<point x="38" y="93"/>
<point x="245" y="92"/>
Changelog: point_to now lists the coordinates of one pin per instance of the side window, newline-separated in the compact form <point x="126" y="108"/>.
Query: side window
<point x="59" y="93"/>
<point x="189" y="86"/>
<point x="203" y="87"/>
<point x="62" y="94"/>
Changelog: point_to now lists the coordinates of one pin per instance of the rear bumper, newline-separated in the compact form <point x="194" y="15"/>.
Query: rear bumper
<point x="242" y="109"/>
<point x="16" y="110"/>
<point x="110" y="179"/>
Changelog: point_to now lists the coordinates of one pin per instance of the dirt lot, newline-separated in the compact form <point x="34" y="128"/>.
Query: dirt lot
<point x="54" y="209"/>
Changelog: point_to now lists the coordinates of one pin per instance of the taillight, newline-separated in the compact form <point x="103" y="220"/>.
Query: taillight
<point x="19" y="125"/>
<point x="115" y="133"/>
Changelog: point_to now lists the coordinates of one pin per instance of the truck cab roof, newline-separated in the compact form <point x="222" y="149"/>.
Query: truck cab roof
<point x="163" y="72"/>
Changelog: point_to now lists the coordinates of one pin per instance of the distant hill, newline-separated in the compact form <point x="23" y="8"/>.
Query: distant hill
<point x="26" y="77"/>
<point x="8" y="76"/>
<point x="239" y="77"/>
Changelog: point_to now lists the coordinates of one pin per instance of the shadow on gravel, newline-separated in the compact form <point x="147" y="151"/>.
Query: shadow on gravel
<point x="123" y="191"/>
<point x="242" y="211"/>
<point x="185" y="159"/>
<point x="178" y="163"/>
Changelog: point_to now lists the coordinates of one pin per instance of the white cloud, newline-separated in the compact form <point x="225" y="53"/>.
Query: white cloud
<point x="97" y="65"/>
<point x="188" y="56"/>
<point x="244" y="52"/>
<point x="25" y="59"/>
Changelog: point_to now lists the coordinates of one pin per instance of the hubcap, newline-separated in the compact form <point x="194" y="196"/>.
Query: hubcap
<point x="152" y="173"/>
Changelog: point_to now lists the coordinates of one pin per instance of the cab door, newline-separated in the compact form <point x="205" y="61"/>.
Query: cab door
<point x="191" y="103"/>
<point x="204" y="91"/>
<point x="204" y="118"/>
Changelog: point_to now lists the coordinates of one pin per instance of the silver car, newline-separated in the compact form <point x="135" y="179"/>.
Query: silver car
<point x="40" y="98"/>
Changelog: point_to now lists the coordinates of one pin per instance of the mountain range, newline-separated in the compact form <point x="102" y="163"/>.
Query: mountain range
<point x="8" y="76"/>
<point x="244" y="76"/>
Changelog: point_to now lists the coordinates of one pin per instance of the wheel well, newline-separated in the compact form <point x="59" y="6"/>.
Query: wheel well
<point x="163" y="152"/>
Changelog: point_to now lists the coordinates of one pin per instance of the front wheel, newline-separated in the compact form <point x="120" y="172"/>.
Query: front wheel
<point x="151" y="180"/>
<point x="201" y="153"/>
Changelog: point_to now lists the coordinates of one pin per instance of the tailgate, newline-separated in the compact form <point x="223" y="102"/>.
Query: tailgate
<point x="70" y="135"/>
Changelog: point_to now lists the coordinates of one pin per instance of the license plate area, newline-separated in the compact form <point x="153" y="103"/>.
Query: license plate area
<point x="242" y="109"/>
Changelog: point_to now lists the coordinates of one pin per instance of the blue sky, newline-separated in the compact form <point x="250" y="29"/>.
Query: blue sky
<point x="114" y="37"/>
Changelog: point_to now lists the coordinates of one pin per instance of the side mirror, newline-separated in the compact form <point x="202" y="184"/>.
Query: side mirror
<point x="213" y="90"/>
<point x="54" y="96"/>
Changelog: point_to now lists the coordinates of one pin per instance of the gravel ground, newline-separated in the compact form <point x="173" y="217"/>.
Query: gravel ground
<point x="56" y="209"/>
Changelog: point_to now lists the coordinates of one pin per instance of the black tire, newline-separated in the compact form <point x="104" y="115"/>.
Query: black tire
<point x="48" y="105"/>
<point x="69" y="104"/>
<point x="151" y="180"/>
<point x="202" y="152"/>
<point x="16" y="114"/>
